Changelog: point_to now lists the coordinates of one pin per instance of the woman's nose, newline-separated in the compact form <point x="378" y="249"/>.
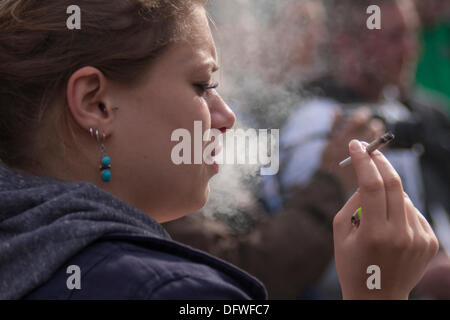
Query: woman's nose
<point x="222" y="117"/>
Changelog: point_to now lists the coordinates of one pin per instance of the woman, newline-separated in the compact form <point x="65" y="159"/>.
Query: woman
<point x="114" y="92"/>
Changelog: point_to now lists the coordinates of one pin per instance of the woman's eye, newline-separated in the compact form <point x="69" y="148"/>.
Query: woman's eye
<point x="203" y="88"/>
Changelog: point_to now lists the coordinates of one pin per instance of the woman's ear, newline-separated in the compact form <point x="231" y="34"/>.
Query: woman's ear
<point x="87" y="101"/>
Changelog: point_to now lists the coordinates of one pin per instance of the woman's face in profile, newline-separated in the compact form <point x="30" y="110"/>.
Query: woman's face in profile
<point x="171" y="96"/>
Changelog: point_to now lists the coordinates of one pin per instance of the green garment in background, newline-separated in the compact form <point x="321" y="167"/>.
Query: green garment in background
<point x="433" y="71"/>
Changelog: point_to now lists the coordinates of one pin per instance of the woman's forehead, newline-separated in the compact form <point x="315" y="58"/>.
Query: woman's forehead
<point x="198" y="48"/>
<point x="200" y="38"/>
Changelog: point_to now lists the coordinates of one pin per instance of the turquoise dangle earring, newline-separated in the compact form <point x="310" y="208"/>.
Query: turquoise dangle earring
<point x="105" y="167"/>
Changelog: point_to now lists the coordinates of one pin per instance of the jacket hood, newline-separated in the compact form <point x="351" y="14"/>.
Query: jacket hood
<point x="45" y="221"/>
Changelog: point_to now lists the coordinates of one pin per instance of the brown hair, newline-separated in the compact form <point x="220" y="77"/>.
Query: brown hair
<point x="38" y="54"/>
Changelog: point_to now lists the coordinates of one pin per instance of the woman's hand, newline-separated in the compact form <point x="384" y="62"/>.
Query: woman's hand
<point x="392" y="234"/>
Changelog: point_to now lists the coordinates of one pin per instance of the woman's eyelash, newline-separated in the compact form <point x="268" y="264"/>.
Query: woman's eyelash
<point x="208" y="86"/>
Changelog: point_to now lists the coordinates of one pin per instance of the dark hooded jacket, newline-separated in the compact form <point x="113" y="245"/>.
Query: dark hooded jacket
<point x="48" y="226"/>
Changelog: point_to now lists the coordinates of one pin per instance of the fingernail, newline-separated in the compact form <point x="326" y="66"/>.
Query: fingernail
<point x="356" y="146"/>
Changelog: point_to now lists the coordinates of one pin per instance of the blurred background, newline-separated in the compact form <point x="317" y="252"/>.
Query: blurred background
<point x="313" y="69"/>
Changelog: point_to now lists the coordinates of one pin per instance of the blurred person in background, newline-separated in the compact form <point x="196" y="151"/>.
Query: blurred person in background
<point x="372" y="68"/>
<point x="298" y="28"/>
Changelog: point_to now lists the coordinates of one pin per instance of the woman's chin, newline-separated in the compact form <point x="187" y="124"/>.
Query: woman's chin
<point x="202" y="199"/>
<point x="196" y="202"/>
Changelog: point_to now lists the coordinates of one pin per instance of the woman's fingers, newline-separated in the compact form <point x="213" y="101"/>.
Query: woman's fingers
<point x="371" y="186"/>
<point x="424" y="239"/>
<point x="394" y="190"/>
<point x="419" y="217"/>
<point x="413" y="214"/>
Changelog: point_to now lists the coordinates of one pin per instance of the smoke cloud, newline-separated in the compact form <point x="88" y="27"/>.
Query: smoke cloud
<point x="265" y="51"/>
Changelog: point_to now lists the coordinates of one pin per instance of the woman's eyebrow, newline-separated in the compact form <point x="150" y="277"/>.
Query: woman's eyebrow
<point x="214" y="67"/>
<point x="204" y="68"/>
<point x="209" y="65"/>
<point x="205" y="60"/>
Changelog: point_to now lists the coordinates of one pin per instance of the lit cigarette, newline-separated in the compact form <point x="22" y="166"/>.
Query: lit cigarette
<point x="374" y="145"/>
